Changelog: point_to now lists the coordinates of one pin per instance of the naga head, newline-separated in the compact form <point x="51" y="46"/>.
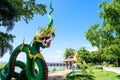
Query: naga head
<point x="45" y="35"/>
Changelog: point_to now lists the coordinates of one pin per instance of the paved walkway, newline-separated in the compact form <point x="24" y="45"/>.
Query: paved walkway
<point x="114" y="69"/>
<point x="59" y="75"/>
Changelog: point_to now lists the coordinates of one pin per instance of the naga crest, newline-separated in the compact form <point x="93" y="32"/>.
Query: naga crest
<point x="46" y="34"/>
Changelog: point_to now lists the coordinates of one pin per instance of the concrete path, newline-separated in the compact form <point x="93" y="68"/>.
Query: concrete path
<point x="114" y="69"/>
<point x="58" y="75"/>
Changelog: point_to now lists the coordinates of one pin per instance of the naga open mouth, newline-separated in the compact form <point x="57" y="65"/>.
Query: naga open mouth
<point x="46" y="40"/>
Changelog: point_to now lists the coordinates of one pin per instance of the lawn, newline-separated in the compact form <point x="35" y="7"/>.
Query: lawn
<point x="2" y="65"/>
<point x="106" y="75"/>
<point x="98" y="75"/>
<point x="53" y="71"/>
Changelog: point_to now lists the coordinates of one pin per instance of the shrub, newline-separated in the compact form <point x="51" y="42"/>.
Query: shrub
<point x="80" y="77"/>
<point x="98" y="67"/>
<point x="111" y="65"/>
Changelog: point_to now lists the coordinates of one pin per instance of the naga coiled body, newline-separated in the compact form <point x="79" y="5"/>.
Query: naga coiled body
<point x="34" y="57"/>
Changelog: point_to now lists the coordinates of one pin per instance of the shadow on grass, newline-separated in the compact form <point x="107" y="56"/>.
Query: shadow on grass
<point x="118" y="76"/>
<point x="56" y="78"/>
<point x="79" y="77"/>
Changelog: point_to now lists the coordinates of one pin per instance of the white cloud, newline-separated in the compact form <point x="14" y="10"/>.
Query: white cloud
<point x="54" y="58"/>
<point x="22" y="57"/>
<point x="92" y="48"/>
<point x="65" y="43"/>
<point x="59" y="51"/>
<point x="5" y="58"/>
<point x="87" y="45"/>
<point x="58" y="57"/>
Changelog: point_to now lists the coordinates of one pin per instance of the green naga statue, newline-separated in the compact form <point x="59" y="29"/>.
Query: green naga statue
<point x="34" y="57"/>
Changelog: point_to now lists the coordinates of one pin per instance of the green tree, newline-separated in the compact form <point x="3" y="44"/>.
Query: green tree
<point x="5" y="45"/>
<point x="95" y="57"/>
<point x="107" y="34"/>
<point x="109" y="58"/>
<point x="114" y="53"/>
<point x="69" y="52"/>
<point x="84" y="54"/>
<point x="12" y="11"/>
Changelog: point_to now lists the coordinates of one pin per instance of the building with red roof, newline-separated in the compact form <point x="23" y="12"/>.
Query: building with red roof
<point x="69" y="62"/>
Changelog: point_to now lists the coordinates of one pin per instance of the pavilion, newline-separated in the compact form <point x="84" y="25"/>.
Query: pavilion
<point x="69" y="62"/>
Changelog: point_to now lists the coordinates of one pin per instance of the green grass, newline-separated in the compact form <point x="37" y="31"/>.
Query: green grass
<point x="106" y="75"/>
<point x="53" y="71"/>
<point x="2" y="65"/>
<point x="98" y="75"/>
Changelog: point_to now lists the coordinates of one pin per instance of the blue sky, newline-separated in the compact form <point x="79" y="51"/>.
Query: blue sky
<point x="71" y="19"/>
